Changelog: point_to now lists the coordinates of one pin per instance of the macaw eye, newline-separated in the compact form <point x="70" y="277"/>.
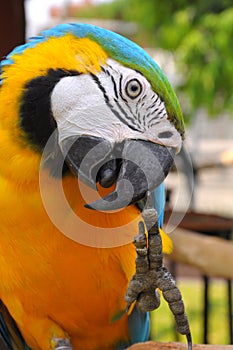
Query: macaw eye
<point x="133" y="88"/>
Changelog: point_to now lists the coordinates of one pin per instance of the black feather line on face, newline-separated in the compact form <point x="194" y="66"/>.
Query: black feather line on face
<point x="35" y="116"/>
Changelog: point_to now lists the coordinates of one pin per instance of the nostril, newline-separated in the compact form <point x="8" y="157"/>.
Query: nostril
<point x="165" y="134"/>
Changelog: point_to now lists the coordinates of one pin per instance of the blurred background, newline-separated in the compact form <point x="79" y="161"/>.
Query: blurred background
<point x="192" y="42"/>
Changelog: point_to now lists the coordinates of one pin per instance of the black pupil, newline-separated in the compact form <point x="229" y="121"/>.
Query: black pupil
<point x="134" y="87"/>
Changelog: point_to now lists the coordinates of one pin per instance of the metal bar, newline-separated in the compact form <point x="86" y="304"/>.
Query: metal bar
<point x="229" y="292"/>
<point x="206" y="310"/>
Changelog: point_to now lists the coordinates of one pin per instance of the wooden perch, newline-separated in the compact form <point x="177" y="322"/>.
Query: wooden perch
<point x="176" y="346"/>
<point x="227" y="157"/>
<point x="213" y="256"/>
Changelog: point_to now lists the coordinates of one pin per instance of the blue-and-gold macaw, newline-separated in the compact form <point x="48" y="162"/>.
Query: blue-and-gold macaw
<point x="82" y="102"/>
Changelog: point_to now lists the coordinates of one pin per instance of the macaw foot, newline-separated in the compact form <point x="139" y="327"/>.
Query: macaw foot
<point x="61" y="344"/>
<point x="151" y="275"/>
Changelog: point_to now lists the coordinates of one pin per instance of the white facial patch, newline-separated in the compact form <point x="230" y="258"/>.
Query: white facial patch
<point x="79" y="108"/>
<point x="116" y="104"/>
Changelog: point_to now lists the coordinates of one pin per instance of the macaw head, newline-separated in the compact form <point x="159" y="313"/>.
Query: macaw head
<point x="100" y="101"/>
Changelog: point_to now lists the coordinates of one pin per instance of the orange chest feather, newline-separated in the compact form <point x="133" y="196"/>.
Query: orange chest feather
<point x="41" y="263"/>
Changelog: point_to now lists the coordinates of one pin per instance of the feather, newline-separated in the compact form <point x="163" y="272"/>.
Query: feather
<point x="119" y="48"/>
<point x="10" y="336"/>
<point x="139" y="326"/>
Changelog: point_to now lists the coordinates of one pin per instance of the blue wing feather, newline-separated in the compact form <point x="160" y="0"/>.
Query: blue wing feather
<point x="139" y="326"/>
<point x="158" y="196"/>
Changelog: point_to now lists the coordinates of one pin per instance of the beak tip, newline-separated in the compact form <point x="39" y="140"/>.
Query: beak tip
<point x="88" y="206"/>
<point x="136" y="181"/>
<point x="107" y="203"/>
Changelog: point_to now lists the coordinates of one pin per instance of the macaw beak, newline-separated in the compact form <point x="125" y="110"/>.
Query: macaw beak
<point x="137" y="166"/>
<point x="85" y="155"/>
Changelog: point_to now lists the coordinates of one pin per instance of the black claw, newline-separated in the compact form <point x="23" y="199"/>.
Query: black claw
<point x="189" y="341"/>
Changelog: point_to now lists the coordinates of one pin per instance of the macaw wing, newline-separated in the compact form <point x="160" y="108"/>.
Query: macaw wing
<point x="158" y="197"/>
<point x="139" y="326"/>
<point x="10" y="336"/>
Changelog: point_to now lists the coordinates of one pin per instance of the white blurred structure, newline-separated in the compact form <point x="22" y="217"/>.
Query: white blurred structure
<point x="39" y="16"/>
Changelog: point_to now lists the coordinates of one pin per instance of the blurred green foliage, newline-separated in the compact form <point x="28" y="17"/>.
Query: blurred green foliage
<point x="198" y="33"/>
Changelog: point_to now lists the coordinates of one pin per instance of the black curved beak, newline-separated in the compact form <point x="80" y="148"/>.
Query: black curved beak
<point x="144" y="167"/>
<point x="85" y="155"/>
<point x="136" y="166"/>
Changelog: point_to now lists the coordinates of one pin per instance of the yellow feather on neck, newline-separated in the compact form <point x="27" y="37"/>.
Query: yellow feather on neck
<point x="19" y="162"/>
